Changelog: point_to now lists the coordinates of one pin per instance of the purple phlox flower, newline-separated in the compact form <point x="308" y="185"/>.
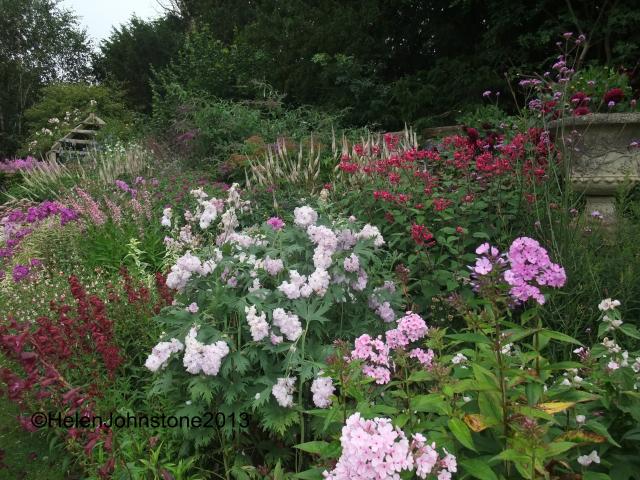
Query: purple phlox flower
<point x="20" y="272"/>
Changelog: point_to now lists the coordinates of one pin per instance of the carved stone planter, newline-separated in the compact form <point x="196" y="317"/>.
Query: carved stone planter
<point x="600" y="156"/>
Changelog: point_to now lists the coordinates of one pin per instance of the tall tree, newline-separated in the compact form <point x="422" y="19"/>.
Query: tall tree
<point x="133" y="50"/>
<point x="40" y="43"/>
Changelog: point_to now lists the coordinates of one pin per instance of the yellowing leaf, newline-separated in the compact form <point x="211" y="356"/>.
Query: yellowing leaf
<point x="555" y="407"/>
<point x="582" y="436"/>
<point x="475" y="422"/>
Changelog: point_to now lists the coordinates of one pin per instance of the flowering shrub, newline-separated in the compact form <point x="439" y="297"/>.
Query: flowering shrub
<point x="18" y="165"/>
<point x="19" y="223"/>
<point x="437" y="203"/>
<point x="269" y="300"/>
<point x="568" y="90"/>
<point x="487" y="393"/>
<point x="66" y="361"/>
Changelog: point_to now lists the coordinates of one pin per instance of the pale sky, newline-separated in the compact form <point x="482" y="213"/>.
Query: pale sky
<point x="99" y="16"/>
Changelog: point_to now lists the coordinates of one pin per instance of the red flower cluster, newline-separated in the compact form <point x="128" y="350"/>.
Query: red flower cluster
<point x="76" y="342"/>
<point x="615" y="95"/>
<point x="422" y="236"/>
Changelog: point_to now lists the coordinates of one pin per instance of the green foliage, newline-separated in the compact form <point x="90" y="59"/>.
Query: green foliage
<point x="64" y="105"/>
<point x="40" y="44"/>
<point x="132" y="51"/>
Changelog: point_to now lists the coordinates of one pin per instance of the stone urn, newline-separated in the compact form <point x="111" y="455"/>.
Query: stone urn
<point x="601" y="155"/>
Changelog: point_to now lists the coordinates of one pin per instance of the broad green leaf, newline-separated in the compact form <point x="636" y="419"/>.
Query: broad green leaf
<point x="511" y="455"/>
<point x="478" y="469"/>
<point x="629" y="330"/>
<point x="461" y="432"/>
<point x="433" y="402"/>
<point x="556" y="448"/>
<point x="316" y="447"/>
<point x="311" y="474"/>
<point x="561" y="337"/>
<point x="470" y="337"/>
<point x="595" y="476"/>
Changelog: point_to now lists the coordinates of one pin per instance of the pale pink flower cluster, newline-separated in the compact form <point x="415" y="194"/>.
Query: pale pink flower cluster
<point x="425" y="357"/>
<point x="228" y="223"/>
<point x="319" y="282"/>
<point x="376" y="352"/>
<point x="273" y="266"/>
<point x="383" y="308"/>
<point x="288" y="323"/>
<point x="166" y="217"/>
<point x="257" y="323"/>
<point x="427" y="459"/>
<point x="410" y="328"/>
<point x="352" y="263"/>
<point x="296" y="287"/>
<point x="160" y="354"/>
<point x="608" y="304"/>
<point x="193" y="308"/>
<point x="372" y="450"/>
<point x="346" y="239"/>
<point x="361" y="282"/>
<point x="182" y="271"/>
<point x="203" y="358"/>
<point x="210" y="212"/>
<point x="323" y="237"/>
<point x="376" y="450"/>
<point x="283" y="391"/>
<point x="426" y="456"/>
<point x="305" y="216"/>
<point x="586" y="460"/>
<point x="369" y="231"/>
<point x="322" y="389"/>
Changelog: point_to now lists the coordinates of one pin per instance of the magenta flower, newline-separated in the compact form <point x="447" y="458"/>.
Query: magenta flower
<point x="20" y="272"/>
<point x="276" y="223"/>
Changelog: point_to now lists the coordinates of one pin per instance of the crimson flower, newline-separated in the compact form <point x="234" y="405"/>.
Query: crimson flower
<point x="422" y="236"/>
<point x="614" y="95"/>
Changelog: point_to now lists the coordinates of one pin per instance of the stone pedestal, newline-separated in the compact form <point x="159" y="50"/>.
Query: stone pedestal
<point x="600" y="155"/>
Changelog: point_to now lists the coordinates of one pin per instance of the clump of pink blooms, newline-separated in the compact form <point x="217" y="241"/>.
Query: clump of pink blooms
<point x="276" y="223"/>
<point x="160" y="354"/>
<point x="376" y="353"/>
<point x="376" y="450"/>
<point x="383" y="307"/>
<point x="18" y="165"/>
<point x="322" y="389"/>
<point x="283" y="391"/>
<point x="185" y="267"/>
<point x="526" y="268"/>
<point x="18" y="224"/>
<point x="203" y="358"/>
<point x="288" y="323"/>
<point x="305" y="216"/>
<point x="257" y="323"/>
